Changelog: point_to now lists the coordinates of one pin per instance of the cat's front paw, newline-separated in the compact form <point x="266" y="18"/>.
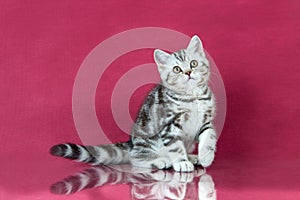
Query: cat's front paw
<point x="183" y="166"/>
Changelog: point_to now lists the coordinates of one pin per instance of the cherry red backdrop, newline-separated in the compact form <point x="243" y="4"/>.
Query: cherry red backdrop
<point x="255" y="44"/>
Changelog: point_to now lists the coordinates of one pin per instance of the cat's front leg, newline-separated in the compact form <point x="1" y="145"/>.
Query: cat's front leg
<point x="207" y="146"/>
<point x="179" y="158"/>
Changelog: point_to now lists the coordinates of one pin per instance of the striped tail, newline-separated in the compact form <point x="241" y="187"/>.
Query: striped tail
<point x="94" y="155"/>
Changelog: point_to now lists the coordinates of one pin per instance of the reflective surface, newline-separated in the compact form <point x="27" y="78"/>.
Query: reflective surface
<point x="158" y="184"/>
<point x="46" y="177"/>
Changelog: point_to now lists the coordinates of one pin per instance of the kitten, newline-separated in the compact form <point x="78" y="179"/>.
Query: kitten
<point x="176" y="114"/>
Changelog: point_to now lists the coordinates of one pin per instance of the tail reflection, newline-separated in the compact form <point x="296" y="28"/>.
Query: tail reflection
<point x="159" y="184"/>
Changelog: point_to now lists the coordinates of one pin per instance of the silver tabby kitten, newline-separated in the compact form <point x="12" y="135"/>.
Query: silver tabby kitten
<point x="176" y="114"/>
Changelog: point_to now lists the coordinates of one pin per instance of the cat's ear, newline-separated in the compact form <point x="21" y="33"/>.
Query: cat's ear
<point x="195" y="45"/>
<point x="161" y="57"/>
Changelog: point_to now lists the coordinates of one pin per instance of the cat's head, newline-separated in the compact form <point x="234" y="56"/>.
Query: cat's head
<point x="185" y="70"/>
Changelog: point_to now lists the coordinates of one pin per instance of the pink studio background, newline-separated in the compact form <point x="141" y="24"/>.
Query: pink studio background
<point x="255" y="44"/>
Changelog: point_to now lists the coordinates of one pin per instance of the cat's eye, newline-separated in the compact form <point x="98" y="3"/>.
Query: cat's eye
<point x="177" y="69"/>
<point x="194" y="63"/>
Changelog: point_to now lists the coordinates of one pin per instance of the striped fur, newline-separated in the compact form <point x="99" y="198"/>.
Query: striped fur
<point x="159" y="184"/>
<point x="94" y="155"/>
<point x="176" y="114"/>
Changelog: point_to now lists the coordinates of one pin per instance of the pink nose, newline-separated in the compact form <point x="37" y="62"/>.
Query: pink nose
<point x="188" y="73"/>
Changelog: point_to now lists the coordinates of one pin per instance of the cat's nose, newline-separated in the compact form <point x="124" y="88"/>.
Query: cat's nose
<point x="188" y="73"/>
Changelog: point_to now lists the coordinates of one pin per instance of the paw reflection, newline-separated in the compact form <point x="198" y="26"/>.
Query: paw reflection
<point x="158" y="184"/>
<point x="206" y="188"/>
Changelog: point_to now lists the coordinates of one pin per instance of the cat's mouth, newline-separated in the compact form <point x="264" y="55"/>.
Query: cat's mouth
<point x="190" y="78"/>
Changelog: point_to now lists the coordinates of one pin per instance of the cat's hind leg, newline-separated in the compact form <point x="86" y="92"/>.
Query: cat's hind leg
<point x="149" y="158"/>
<point x="163" y="151"/>
<point x="171" y="155"/>
<point x="179" y="157"/>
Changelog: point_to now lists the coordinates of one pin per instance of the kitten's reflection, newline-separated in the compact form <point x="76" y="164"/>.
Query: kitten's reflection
<point x="159" y="184"/>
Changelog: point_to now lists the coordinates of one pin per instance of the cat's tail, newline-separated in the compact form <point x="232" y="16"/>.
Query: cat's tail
<point x="94" y="155"/>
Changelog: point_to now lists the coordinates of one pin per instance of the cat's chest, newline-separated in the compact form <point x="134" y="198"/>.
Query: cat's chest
<point x="193" y="116"/>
